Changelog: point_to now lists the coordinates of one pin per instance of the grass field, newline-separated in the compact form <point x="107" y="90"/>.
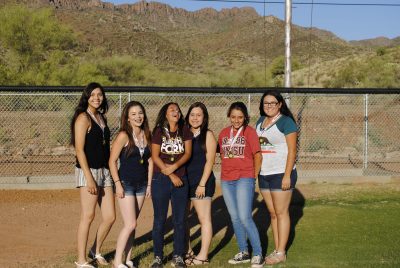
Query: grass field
<point x="333" y="226"/>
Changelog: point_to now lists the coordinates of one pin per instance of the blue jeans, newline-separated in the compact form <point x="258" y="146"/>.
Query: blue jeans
<point x="162" y="191"/>
<point x="238" y="197"/>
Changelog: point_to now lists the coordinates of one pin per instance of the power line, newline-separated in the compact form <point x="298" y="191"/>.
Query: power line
<point x="302" y="3"/>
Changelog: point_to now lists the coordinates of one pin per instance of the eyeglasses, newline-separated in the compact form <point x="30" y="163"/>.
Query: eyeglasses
<point x="270" y="104"/>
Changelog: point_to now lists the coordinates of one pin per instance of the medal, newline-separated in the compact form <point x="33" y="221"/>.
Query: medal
<point x="230" y="155"/>
<point x="172" y="159"/>
<point x="141" y="161"/>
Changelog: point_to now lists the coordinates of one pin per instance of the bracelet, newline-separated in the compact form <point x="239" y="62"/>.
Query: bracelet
<point x="148" y="185"/>
<point x="116" y="181"/>
<point x="201" y="186"/>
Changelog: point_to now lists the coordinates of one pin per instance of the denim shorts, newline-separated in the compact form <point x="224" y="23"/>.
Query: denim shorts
<point x="135" y="189"/>
<point x="273" y="182"/>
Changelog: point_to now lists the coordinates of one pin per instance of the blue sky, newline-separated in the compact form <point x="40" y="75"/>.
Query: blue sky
<point x="347" y="22"/>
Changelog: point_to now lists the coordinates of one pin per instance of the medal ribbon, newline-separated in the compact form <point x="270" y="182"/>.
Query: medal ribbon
<point x="273" y="121"/>
<point x="174" y="142"/>
<point x="140" y="145"/>
<point x="99" y="123"/>
<point x="233" y="139"/>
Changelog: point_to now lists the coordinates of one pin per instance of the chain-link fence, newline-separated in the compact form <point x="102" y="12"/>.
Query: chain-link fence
<point x="340" y="135"/>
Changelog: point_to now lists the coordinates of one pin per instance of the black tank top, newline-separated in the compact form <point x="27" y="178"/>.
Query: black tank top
<point x="195" y="165"/>
<point x="97" y="146"/>
<point x="131" y="171"/>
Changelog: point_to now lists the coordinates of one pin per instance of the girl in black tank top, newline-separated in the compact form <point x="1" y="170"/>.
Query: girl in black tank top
<point x="201" y="178"/>
<point x="90" y="136"/>
<point x="133" y="178"/>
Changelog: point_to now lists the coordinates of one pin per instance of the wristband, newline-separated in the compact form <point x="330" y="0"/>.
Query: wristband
<point x="201" y="186"/>
<point x="116" y="181"/>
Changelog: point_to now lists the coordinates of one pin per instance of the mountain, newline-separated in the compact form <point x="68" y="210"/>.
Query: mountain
<point x="178" y="39"/>
<point x="377" y="42"/>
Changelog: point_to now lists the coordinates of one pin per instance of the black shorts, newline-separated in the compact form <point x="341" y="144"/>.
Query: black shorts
<point x="273" y="182"/>
<point x="210" y="188"/>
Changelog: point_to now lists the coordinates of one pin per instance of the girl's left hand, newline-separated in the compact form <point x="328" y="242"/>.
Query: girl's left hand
<point x="200" y="192"/>
<point x="285" y="183"/>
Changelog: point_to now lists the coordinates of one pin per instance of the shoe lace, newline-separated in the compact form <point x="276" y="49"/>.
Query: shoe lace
<point x="178" y="259"/>
<point x="240" y="255"/>
<point x="157" y="260"/>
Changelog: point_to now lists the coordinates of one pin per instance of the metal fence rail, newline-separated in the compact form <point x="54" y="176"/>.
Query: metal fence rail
<point x="340" y="134"/>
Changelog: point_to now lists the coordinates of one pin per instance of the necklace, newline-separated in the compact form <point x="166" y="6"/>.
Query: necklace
<point x="139" y="144"/>
<point x="196" y="133"/>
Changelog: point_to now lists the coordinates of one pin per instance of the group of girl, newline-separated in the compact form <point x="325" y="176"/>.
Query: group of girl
<point x="174" y="164"/>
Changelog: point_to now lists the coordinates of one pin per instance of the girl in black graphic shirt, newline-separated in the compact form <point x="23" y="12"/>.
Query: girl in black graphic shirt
<point x="171" y="148"/>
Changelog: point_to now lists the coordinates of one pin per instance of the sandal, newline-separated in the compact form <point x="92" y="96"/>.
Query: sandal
<point x="98" y="257"/>
<point x="189" y="255"/>
<point x="191" y="262"/>
<point x="275" y="258"/>
<point x="84" y="265"/>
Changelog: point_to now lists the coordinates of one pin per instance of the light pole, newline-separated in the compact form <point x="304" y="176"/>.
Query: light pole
<point x="288" y="69"/>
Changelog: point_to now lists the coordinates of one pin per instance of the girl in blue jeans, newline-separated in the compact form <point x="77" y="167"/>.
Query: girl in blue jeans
<point x="240" y="164"/>
<point x="171" y="148"/>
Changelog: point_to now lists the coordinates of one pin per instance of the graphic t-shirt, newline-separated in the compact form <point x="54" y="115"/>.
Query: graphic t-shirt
<point x="172" y="147"/>
<point x="273" y="144"/>
<point x="237" y="160"/>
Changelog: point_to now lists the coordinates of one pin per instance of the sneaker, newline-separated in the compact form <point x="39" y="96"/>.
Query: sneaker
<point x="241" y="257"/>
<point x="257" y="261"/>
<point x="157" y="263"/>
<point x="177" y="262"/>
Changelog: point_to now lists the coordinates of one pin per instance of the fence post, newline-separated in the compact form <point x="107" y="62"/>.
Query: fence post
<point x="365" y="156"/>
<point x="249" y="103"/>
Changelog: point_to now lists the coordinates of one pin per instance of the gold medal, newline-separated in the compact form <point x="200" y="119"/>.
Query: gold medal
<point x="172" y="159"/>
<point x="141" y="161"/>
<point x="230" y="155"/>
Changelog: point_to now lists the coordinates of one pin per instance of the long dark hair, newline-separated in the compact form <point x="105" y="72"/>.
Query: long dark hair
<point x="84" y="103"/>
<point x="204" y="124"/>
<point x="241" y="107"/>
<point x="126" y="126"/>
<point x="284" y="108"/>
<point x="162" y="122"/>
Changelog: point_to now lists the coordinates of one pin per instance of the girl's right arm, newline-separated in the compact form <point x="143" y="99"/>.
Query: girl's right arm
<point x="118" y="144"/>
<point x="82" y="125"/>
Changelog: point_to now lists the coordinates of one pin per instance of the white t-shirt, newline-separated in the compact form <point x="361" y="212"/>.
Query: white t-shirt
<point x="274" y="148"/>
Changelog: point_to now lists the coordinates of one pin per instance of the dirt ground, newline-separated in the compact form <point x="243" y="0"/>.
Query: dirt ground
<point x="38" y="228"/>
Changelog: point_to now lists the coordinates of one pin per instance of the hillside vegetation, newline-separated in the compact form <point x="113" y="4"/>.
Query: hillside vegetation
<point x="152" y="44"/>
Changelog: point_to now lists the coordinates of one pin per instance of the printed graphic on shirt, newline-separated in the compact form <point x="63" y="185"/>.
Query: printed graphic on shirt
<point x="266" y="146"/>
<point x="234" y="151"/>
<point x="173" y="145"/>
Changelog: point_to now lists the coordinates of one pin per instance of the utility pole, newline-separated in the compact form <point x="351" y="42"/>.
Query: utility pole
<point x="288" y="68"/>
